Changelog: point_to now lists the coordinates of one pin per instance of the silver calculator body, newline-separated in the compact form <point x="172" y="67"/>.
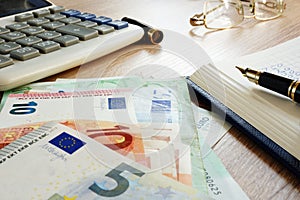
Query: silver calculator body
<point x="79" y="38"/>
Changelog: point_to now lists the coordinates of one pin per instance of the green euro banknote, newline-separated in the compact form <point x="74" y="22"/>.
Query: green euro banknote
<point x="221" y="185"/>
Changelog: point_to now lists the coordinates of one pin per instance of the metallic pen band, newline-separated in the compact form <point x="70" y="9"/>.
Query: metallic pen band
<point x="252" y="75"/>
<point x="155" y="36"/>
<point x="292" y="89"/>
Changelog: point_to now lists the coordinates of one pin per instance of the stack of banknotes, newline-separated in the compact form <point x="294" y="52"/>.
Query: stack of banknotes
<point x="114" y="138"/>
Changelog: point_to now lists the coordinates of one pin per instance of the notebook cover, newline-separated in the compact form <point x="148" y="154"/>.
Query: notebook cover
<point x="288" y="160"/>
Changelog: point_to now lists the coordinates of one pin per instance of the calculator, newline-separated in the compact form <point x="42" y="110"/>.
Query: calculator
<point x="39" y="39"/>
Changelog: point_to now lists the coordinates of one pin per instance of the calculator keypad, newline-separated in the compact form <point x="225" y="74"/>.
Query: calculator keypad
<point x="49" y="30"/>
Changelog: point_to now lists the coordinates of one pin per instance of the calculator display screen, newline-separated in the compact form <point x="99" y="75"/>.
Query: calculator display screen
<point x="10" y="7"/>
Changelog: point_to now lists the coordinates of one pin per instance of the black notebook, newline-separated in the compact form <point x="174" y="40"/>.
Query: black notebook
<point x="271" y="120"/>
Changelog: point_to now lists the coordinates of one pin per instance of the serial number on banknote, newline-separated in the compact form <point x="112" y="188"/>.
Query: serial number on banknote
<point x="211" y="184"/>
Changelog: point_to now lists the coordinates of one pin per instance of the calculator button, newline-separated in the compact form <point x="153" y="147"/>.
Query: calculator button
<point x="12" y="36"/>
<point x="53" y="25"/>
<point x="104" y="29"/>
<point x="7" y="47"/>
<point x="67" y="40"/>
<point x="55" y="17"/>
<point x="56" y="9"/>
<point x="47" y="46"/>
<point x="5" y="61"/>
<point x="86" y="16"/>
<point x="33" y="30"/>
<point x="17" y="26"/>
<point x="87" y="24"/>
<point x="23" y="17"/>
<point x="41" y="13"/>
<point x="1" y="41"/>
<point x="78" y="31"/>
<point x="117" y="24"/>
<point x="71" y="12"/>
<point x="25" y="53"/>
<point x="3" y="30"/>
<point x="49" y="35"/>
<point x="70" y="20"/>
<point x="101" y="20"/>
<point x="38" y="21"/>
<point x="29" y="41"/>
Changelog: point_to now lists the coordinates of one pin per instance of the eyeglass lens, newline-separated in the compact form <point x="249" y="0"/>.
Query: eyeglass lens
<point x="268" y="9"/>
<point x="223" y="14"/>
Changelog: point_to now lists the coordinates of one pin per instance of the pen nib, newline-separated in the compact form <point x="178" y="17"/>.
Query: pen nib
<point x="243" y="71"/>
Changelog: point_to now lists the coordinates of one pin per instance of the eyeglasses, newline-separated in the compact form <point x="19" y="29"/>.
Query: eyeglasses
<point x="223" y="14"/>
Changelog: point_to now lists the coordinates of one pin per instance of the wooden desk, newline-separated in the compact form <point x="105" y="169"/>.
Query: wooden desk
<point x="259" y="175"/>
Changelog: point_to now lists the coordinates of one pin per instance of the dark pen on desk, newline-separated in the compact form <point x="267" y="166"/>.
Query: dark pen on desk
<point x="151" y="35"/>
<point x="279" y="84"/>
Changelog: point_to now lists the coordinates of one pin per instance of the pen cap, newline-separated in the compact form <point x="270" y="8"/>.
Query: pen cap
<point x="154" y="36"/>
<point x="151" y="35"/>
<point x="275" y="83"/>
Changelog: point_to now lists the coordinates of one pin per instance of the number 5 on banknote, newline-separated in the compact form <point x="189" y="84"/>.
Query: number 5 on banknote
<point x="122" y="182"/>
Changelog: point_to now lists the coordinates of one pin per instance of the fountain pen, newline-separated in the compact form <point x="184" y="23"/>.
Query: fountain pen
<point x="279" y="84"/>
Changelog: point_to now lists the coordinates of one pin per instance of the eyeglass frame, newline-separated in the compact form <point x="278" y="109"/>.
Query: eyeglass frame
<point x="197" y="19"/>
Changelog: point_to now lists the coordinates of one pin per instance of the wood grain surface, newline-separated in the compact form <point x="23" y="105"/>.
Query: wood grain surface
<point x="258" y="174"/>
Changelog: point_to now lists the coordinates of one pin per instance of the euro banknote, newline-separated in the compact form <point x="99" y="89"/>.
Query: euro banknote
<point x="56" y="162"/>
<point x="211" y="128"/>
